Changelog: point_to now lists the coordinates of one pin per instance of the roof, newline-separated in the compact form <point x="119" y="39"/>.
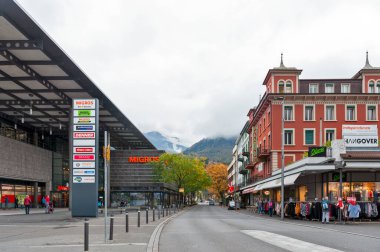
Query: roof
<point x="36" y="73"/>
<point x="361" y="155"/>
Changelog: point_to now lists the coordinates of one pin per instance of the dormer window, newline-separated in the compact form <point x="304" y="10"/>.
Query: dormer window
<point x="329" y="88"/>
<point x="288" y="88"/>
<point x="281" y="87"/>
<point x="371" y="87"/>
<point x="345" y="88"/>
<point x="313" y="88"/>
<point x="378" y="87"/>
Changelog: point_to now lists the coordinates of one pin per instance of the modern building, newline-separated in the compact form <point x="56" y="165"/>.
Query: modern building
<point x="38" y="83"/>
<point x="316" y="113"/>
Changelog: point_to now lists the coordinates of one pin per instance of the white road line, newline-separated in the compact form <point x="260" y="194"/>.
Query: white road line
<point x="287" y="243"/>
<point x="79" y="245"/>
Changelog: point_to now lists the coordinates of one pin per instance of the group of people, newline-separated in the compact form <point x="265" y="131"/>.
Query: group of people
<point x="46" y="203"/>
<point x="265" y="206"/>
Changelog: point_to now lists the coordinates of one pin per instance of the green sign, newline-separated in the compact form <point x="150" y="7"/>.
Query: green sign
<point x="84" y="112"/>
<point x="317" y="151"/>
<point x="336" y="177"/>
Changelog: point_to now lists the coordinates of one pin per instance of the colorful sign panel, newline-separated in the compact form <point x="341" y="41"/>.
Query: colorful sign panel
<point x="84" y="158"/>
<point x="144" y="159"/>
<point x="360" y="135"/>
<point x="317" y="151"/>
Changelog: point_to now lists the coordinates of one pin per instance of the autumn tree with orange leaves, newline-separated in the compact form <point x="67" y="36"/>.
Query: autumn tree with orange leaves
<point x="218" y="174"/>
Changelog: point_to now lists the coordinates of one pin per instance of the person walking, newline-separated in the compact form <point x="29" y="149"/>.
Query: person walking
<point x="270" y="206"/>
<point x="325" y="210"/>
<point x="27" y="202"/>
<point x="16" y="202"/>
<point x="43" y="202"/>
<point x="47" y="201"/>
<point x="6" y="200"/>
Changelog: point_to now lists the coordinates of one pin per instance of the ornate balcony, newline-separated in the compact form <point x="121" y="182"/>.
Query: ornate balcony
<point x="263" y="153"/>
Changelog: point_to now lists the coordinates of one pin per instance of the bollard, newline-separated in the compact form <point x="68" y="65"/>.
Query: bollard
<point x="126" y="223"/>
<point x="154" y="216"/>
<point x="170" y="210"/>
<point x="111" y="228"/>
<point x="163" y="211"/>
<point x="138" y="218"/>
<point x="167" y="211"/>
<point x="86" y="233"/>
<point x="158" y="213"/>
<point x="146" y="216"/>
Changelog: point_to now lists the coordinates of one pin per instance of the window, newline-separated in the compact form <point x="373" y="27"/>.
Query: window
<point x="269" y="119"/>
<point x="288" y="134"/>
<point x="371" y="87"/>
<point x="371" y="113"/>
<point x="330" y="113"/>
<point x="281" y="87"/>
<point x="309" y="136"/>
<point x="330" y="135"/>
<point x="269" y="143"/>
<point x="345" y="88"/>
<point x="288" y="113"/>
<point x="264" y="123"/>
<point x="378" y="87"/>
<point x="329" y="88"/>
<point x="313" y="88"/>
<point x="309" y="113"/>
<point x="288" y="88"/>
<point x="350" y="113"/>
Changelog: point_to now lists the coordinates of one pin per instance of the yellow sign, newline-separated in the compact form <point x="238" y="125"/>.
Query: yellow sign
<point x="108" y="154"/>
<point x="182" y="189"/>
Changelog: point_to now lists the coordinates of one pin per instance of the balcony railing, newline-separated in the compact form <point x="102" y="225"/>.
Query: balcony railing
<point x="263" y="153"/>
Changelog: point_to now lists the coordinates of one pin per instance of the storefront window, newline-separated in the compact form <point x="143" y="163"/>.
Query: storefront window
<point x="333" y="193"/>
<point x="7" y="196"/>
<point x="302" y="193"/>
<point x="365" y="191"/>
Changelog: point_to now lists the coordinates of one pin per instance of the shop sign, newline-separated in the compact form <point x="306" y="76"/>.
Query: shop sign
<point x="84" y="150"/>
<point x="84" y="120"/>
<point x="84" y="104"/>
<point x="266" y="192"/>
<point x="82" y="142"/>
<point x="84" y="134"/>
<point x="359" y="130"/>
<point x="231" y="189"/>
<point x="84" y="113"/>
<point x="143" y="159"/>
<point x="317" y="151"/>
<point x="181" y="190"/>
<point x="84" y="127"/>
<point x="336" y="177"/>
<point x="79" y="172"/>
<point x="84" y="157"/>
<point x="62" y="188"/>
<point x="84" y="165"/>
<point x="361" y="141"/>
<point x="84" y="179"/>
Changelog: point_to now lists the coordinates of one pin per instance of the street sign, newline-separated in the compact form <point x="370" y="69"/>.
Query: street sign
<point x="84" y="128"/>
<point x="84" y="179"/>
<point x="78" y="172"/>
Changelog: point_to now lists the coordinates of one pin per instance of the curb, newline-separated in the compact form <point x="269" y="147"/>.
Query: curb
<point x="155" y="237"/>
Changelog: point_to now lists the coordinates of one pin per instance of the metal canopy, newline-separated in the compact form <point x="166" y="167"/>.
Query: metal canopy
<point x="38" y="82"/>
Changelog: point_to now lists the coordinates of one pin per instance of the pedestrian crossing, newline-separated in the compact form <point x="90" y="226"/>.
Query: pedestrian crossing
<point x="286" y="242"/>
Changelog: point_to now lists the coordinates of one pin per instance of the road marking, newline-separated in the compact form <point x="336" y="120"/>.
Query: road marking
<point x="78" y="245"/>
<point x="286" y="242"/>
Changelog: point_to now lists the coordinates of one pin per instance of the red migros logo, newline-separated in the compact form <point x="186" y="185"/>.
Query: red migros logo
<point x="145" y="159"/>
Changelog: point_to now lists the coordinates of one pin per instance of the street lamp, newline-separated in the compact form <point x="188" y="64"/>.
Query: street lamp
<point x="281" y="98"/>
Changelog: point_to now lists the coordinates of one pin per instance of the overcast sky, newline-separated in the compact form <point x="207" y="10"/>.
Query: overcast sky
<point x="192" y="69"/>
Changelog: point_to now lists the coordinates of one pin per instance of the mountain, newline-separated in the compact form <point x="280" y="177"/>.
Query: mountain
<point x="166" y="143"/>
<point x="215" y="149"/>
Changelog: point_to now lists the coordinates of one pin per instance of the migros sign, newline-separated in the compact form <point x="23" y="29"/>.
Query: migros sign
<point x="145" y="159"/>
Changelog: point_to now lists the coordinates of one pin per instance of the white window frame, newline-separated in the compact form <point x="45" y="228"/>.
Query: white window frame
<point x="374" y="86"/>
<point x="293" y="114"/>
<point x="345" y="84"/>
<point x="333" y="105"/>
<point x="377" y="86"/>
<point x="329" y="129"/>
<point x="304" y="136"/>
<point x="355" y="115"/>
<point x="333" y="88"/>
<point x="278" y="86"/>
<point x="293" y="136"/>
<point x="366" y="112"/>
<point x="291" y="87"/>
<point x="304" y="112"/>
<point x="313" y="84"/>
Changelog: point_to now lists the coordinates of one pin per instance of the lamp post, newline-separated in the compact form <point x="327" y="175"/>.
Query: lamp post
<point x="282" y="154"/>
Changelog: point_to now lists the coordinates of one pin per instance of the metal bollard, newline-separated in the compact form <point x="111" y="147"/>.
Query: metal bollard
<point x="146" y="216"/>
<point x="138" y="218"/>
<point x="154" y="216"/>
<point x="158" y="213"/>
<point x="126" y="222"/>
<point x="86" y="234"/>
<point x="111" y="228"/>
<point x="170" y="210"/>
<point x="167" y="211"/>
<point x="163" y="212"/>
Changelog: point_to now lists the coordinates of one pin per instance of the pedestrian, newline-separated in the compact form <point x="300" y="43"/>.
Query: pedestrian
<point x="47" y="201"/>
<point x="27" y="203"/>
<point x="43" y="202"/>
<point x="270" y="206"/>
<point x="16" y="202"/>
<point x="325" y="210"/>
<point x="6" y="200"/>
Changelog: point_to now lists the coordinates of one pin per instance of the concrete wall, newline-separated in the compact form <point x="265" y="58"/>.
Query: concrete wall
<point x="23" y="161"/>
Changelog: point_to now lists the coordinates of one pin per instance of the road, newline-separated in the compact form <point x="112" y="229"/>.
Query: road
<point x="213" y="228"/>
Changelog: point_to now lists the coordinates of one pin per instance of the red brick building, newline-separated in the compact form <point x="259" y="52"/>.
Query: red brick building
<point x="314" y="112"/>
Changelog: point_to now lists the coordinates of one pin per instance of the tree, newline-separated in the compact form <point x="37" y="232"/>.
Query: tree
<point x="219" y="176"/>
<point x="183" y="171"/>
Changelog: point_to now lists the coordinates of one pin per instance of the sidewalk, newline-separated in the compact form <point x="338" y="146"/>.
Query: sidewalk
<point x="59" y="232"/>
<point x="20" y="211"/>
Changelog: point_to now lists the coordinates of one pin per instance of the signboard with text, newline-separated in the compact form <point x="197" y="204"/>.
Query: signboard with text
<point x="360" y="135"/>
<point x="84" y="157"/>
<point x="317" y="151"/>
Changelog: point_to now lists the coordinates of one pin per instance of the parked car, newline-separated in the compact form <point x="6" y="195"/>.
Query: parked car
<point x="231" y="205"/>
<point x="211" y="203"/>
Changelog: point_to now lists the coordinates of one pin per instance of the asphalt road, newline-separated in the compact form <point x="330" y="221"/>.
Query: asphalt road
<point x="212" y="228"/>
